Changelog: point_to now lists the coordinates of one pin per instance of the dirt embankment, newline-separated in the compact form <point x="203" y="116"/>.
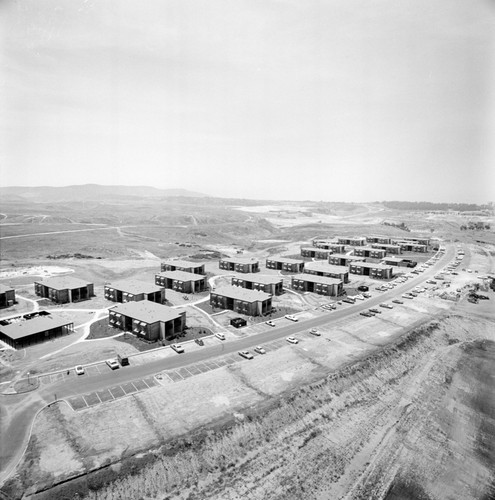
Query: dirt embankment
<point x="415" y="420"/>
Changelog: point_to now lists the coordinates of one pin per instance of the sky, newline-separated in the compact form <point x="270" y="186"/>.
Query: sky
<point x="333" y="100"/>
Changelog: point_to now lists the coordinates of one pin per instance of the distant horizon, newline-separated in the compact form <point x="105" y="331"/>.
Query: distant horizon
<point x="206" y="195"/>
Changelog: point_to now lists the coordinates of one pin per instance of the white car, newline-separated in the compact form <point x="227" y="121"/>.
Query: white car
<point x="112" y="363"/>
<point x="269" y="323"/>
<point x="220" y="336"/>
<point x="291" y="317"/>
<point x="314" y="331"/>
<point x="177" y="348"/>
<point x="386" y="306"/>
<point x="79" y="370"/>
<point x="292" y="340"/>
<point x="259" y="350"/>
<point x="246" y="354"/>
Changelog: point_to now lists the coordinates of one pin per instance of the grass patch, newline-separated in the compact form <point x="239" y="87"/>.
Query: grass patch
<point x="101" y="329"/>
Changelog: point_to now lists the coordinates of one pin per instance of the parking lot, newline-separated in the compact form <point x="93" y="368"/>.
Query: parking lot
<point x="119" y="391"/>
<point x="90" y="371"/>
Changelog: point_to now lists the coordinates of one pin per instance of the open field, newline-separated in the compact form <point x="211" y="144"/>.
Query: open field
<point x="389" y="406"/>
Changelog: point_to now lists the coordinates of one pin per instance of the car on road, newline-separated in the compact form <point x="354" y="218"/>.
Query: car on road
<point x="366" y="313"/>
<point x="397" y="301"/>
<point x="367" y="295"/>
<point x="199" y="341"/>
<point x="376" y="311"/>
<point x="112" y="363"/>
<point x="220" y="336"/>
<point x="79" y="370"/>
<point x="269" y="323"/>
<point x="177" y="348"/>
<point x="349" y="300"/>
<point x="292" y="340"/>
<point x="290" y="317"/>
<point x="259" y="350"/>
<point x="246" y="354"/>
<point x="314" y="331"/>
<point x="386" y="306"/>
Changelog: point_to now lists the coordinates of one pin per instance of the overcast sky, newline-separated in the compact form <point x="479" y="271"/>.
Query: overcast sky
<point x="337" y="100"/>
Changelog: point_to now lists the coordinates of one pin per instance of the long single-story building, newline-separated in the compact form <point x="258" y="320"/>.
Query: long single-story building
<point x="262" y="283"/>
<point x="354" y="242"/>
<point x="410" y="246"/>
<point x="181" y="281"/>
<point x="33" y="328"/>
<point x="239" y="264"/>
<point x="379" y="239"/>
<point x="372" y="270"/>
<point x="322" y="285"/>
<point x="134" y="291"/>
<point x="332" y="245"/>
<point x="147" y="319"/>
<point x="420" y="240"/>
<point x="183" y="265"/>
<point x="390" y="249"/>
<point x="325" y="269"/>
<point x="285" y="264"/>
<point x="373" y="253"/>
<point x="63" y="289"/>
<point x="342" y="259"/>
<point x="7" y="296"/>
<point x="240" y="300"/>
<point x="315" y="253"/>
<point x="394" y="261"/>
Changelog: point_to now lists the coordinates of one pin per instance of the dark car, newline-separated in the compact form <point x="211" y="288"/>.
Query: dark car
<point x="375" y="311"/>
<point x="397" y="301"/>
<point x="199" y="341"/>
<point x="366" y="313"/>
<point x="363" y="288"/>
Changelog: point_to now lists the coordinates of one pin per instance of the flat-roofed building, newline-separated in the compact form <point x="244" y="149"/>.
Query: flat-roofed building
<point x="373" y="253"/>
<point x="352" y="241"/>
<point x="7" y="296"/>
<point x="180" y="281"/>
<point x="148" y="320"/>
<point x="285" y="264"/>
<point x="328" y="270"/>
<point x="321" y="285"/>
<point x="410" y="246"/>
<point x="134" y="291"/>
<point x="332" y="245"/>
<point x="183" y="265"/>
<point x="33" y="328"/>
<point x="315" y="253"/>
<point x="418" y="240"/>
<point x="239" y="264"/>
<point x="394" y="261"/>
<point x="63" y="289"/>
<point x="262" y="283"/>
<point x="378" y="271"/>
<point x="390" y="249"/>
<point x="240" y="300"/>
<point x="379" y="239"/>
<point x="342" y="259"/>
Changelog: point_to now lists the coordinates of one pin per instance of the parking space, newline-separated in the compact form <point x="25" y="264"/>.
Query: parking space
<point x="89" y="371"/>
<point x="119" y="391"/>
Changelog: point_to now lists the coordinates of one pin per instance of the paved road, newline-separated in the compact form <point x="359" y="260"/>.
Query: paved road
<point x="22" y="409"/>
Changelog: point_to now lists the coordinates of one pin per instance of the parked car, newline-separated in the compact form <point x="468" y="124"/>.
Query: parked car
<point x="348" y="300"/>
<point x="199" y="341"/>
<point x="177" y="348"/>
<point x="291" y="317"/>
<point x="270" y="323"/>
<point x="376" y="311"/>
<point x="314" y="331"/>
<point x="246" y="354"/>
<point x="366" y="313"/>
<point x="292" y="340"/>
<point x="259" y="350"/>
<point x="397" y="301"/>
<point x="386" y="306"/>
<point x="112" y="363"/>
<point x="367" y="295"/>
<point x="79" y="370"/>
<point x="220" y="336"/>
<point x="123" y="360"/>
<point x="407" y="296"/>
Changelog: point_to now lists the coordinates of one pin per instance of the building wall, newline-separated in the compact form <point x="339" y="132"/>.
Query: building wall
<point x="257" y="308"/>
<point x="7" y="298"/>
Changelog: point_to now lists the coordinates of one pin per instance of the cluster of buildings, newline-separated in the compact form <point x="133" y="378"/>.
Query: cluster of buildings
<point x="141" y="305"/>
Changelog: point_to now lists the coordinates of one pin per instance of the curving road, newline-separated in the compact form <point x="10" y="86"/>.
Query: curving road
<point x="20" y="410"/>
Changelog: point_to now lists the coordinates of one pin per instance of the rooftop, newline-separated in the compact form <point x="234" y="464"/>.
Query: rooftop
<point x="181" y="276"/>
<point x="264" y="279"/>
<point x="134" y="287"/>
<point x="286" y="260"/>
<point x="317" y="279"/>
<point x="360" y="238"/>
<point x="392" y="259"/>
<point x="182" y="263"/>
<point x="315" y="249"/>
<point x="64" y="282"/>
<point x="345" y="256"/>
<point x="26" y="327"/>
<point x="146" y="311"/>
<point x="240" y="260"/>
<point x="371" y="265"/>
<point x="325" y="267"/>
<point x="366" y="248"/>
<point x="5" y="288"/>
<point x="385" y="245"/>
<point x="238" y="293"/>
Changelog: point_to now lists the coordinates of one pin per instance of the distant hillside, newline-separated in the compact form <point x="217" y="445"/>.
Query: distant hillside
<point x="88" y="192"/>
<point x="429" y="206"/>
